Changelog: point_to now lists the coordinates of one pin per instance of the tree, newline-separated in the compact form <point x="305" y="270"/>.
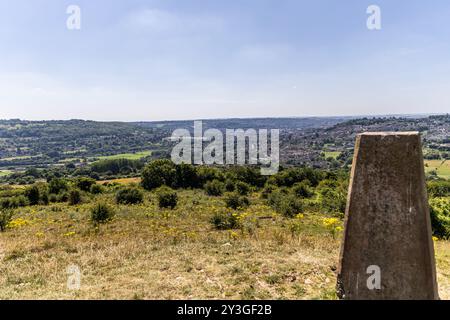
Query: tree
<point x="32" y="193"/>
<point x="158" y="173"/>
<point x="84" y="183"/>
<point x="57" y="185"/>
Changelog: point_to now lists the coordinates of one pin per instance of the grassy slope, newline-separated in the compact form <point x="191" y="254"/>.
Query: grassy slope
<point x="332" y="154"/>
<point x="5" y="173"/>
<point x="129" y="156"/>
<point x="442" y="167"/>
<point x="158" y="254"/>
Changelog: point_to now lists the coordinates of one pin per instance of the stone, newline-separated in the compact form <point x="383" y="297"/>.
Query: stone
<point x="387" y="252"/>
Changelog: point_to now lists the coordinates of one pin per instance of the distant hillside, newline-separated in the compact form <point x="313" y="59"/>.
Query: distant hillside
<point x="315" y="141"/>
<point x="333" y="146"/>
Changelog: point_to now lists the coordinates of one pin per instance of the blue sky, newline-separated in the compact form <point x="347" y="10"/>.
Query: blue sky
<point x="187" y="59"/>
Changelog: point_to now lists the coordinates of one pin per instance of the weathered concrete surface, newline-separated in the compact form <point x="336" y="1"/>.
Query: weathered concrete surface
<point x="387" y="222"/>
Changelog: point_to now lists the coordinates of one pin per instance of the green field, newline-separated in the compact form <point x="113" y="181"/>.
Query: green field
<point x="442" y="167"/>
<point x="332" y="154"/>
<point x="4" y="173"/>
<point x="129" y="156"/>
<point x="16" y="158"/>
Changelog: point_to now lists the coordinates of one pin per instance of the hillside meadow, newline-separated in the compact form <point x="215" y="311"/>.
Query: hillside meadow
<point x="149" y="253"/>
<point x="215" y="234"/>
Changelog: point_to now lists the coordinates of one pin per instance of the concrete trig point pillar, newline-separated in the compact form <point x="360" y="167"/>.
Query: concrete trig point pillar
<point x="387" y="251"/>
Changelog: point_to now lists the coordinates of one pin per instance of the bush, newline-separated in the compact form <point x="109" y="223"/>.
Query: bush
<point x="84" y="184"/>
<point x="129" y="195"/>
<point x="158" y="173"/>
<point x="63" y="197"/>
<point x="206" y="174"/>
<point x="167" y="198"/>
<point x="33" y="195"/>
<point x="289" y="177"/>
<point x="285" y="203"/>
<point x="5" y="218"/>
<point x="267" y="191"/>
<point x="96" y="189"/>
<point x="52" y="198"/>
<point x="303" y="189"/>
<point x="230" y="185"/>
<point x="116" y="166"/>
<point x="242" y="188"/>
<point x="290" y="206"/>
<point x="74" y="197"/>
<point x="57" y="186"/>
<point x="225" y="220"/>
<point x="249" y="175"/>
<point x="440" y="217"/>
<point x="13" y="202"/>
<point x="186" y="176"/>
<point x="236" y="201"/>
<point x="332" y="200"/>
<point x="332" y="195"/>
<point x="44" y="198"/>
<point x="214" y="188"/>
<point x="439" y="188"/>
<point x="101" y="213"/>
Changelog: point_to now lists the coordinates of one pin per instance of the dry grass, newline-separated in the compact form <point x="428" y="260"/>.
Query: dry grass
<point x="147" y="253"/>
<point x="121" y="181"/>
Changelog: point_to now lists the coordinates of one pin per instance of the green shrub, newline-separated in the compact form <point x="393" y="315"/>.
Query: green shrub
<point x="285" y="203"/>
<point x="230" y="185"/>
<point x="74" y="197"/>
<point x="57" y="186"/>
<point x="52" y="198"/>
<point x="129" y="195"/>
<point x="242" y="188"/>
<point x="439" y="188"/>
<point x="44" y="198"/>
<point x="440" y="217"/>
<point x="290" y="206"/>
<point x="289" y="177"/>
<point x="33" y="195"/>
<point x="214" y="188"/>
<point x="116" y="166"/>
<point x="84" y="184"/>
<point x="225" y="220"/>
<point x="206" y="173"/>
<point x="5" y="218"/>
<point x="332" y="196"/>
<point x="236" y="201"/>
<point x="63" y="197"/>
<point x="303" y="189"/>
<point x="267" y="190"/>
<point x="186" y="176"/>
<point x="96" y="189"/>
<point x="101" y="213"/>
<point x="13" y="202"/>
<point x="158" y="173"/>
<point x="167" y="198"/>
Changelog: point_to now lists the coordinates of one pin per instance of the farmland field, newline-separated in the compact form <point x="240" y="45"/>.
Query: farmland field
<point x="442" y="167"/>
<point x="5" y="173"/>
<point x="129" y="156"/>
<point x="332" y="154"/>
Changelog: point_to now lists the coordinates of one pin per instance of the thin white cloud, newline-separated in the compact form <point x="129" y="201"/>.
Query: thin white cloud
<point x="162" y="21"/>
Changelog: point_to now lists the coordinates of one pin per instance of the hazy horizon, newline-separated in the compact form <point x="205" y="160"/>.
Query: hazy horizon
<point x="418" y="115"/>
